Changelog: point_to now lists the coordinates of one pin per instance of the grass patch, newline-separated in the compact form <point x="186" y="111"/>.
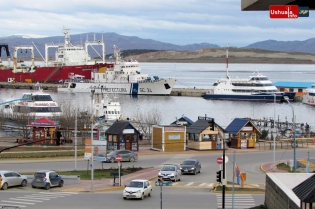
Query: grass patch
<point x="260" y="207"/>
<point x="35" y="154"/>
<point x="284" y="166"/>
<point x="98" y="173"/>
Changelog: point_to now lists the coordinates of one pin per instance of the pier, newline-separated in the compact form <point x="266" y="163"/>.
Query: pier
<point x="186" y="92"/>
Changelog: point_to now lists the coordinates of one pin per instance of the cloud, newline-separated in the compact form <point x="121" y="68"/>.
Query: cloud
<point x="177" y="21"/>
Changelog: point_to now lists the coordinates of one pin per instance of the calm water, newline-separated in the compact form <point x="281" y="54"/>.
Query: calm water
<point x="203" y="76"/>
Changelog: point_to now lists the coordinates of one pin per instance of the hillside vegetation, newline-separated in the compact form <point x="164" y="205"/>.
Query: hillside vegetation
<point x="218" y="55"/>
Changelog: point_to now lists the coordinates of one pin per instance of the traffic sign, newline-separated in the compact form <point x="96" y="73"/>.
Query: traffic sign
<point x="163" y="183"/>
<point x="219" y="160"/>
<point x="118" y="157"/>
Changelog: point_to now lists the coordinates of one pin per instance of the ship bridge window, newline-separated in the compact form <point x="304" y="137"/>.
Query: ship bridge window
<point x="312" y="94"/>
<point x="42" y="98"/>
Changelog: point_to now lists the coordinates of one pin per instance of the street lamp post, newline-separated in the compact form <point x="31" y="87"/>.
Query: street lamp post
<point x="92" y="148"/>
<point x="294" y="140"/>
<point x="75" y="134"/>
<point x="274" y="128"/>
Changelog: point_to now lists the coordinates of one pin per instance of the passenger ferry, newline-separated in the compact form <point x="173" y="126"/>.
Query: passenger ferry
<point x="309" y="97"/>
<point x="255" y="88"/>
<point x="34" y="104"/>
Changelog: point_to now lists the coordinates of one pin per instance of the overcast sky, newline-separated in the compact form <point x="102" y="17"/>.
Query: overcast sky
<point x="179" y="22"/>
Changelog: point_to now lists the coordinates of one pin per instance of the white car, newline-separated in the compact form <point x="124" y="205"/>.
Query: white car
<point x="170" y="172"/>
<point x="11" y="178"/>
<point x="137" y="188"/>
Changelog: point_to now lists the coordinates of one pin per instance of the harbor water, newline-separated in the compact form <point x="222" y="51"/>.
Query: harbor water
<point x="202" y="75"/>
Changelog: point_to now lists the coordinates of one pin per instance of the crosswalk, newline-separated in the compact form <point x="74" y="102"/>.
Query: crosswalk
<point x="29" y="200"/>
<point x="189" y="184"/>
<point x="242" y="201"/>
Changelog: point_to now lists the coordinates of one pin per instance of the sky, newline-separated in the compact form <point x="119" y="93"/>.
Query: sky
<point x="179" y="22"/>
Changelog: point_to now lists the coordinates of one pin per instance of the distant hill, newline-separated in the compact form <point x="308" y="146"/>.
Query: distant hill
<point x="110" y="39"/>
<point x="307" y="46"/>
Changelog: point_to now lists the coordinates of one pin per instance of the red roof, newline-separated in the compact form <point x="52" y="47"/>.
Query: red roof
<point x="42" y="122"/>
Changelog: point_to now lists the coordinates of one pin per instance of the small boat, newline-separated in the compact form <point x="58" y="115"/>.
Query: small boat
<point x="309" y="97"/>
<point x="107" y="109"/>
<point x="124" y="77"/>
<point x="35" y="104"/>
<point x="255" y="88"/>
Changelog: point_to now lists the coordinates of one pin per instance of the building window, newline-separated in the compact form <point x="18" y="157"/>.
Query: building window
<point x="291" y="89"/>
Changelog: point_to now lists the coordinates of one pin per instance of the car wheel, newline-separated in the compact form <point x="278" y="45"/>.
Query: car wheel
<point x="47" y="186"/>
<point x="149" y="195"/>
<point x="4" y="186"/>
<point x="125" y="198"/>
<point x="33" y="186"/>
<point x="60" y="183"/>
<point x="132" y="159"/>
<point x="24" y="182"/>
<point x="142" y="196"/>
<point x="195" y="172"/>
<point x="112" y="160"/>
<point x="199" y="170"/>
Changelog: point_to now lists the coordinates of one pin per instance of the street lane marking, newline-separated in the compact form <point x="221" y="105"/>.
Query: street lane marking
<point x="202" y="184"/>
<point x="21" y="206"/>
<point x="191" y="183"/>
<point x="27" y="203"/>
<point x="25" y="199"/>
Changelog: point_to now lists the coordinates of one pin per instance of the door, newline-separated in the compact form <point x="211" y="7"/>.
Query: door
<point x="128" y="142"/>
<point x="54" y="179"/>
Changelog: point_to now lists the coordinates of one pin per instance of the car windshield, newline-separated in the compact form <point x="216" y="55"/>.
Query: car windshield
<point x="168" y="168"/>
<point x="136" y="184"/>
<point x="113" y="153"/>
<point x="40" y="175"/>
<point x="189" y="162"/>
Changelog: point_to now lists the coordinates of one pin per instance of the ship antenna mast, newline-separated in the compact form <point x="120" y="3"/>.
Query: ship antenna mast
<point x="227" y="61"/>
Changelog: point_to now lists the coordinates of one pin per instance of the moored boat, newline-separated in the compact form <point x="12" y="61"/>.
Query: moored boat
<point x="309" y="97"/>
<point x="69" y="60"/>
<point x="35" y="104"/>
<point x="255" y="88"/>
<point x="124" y="77"/>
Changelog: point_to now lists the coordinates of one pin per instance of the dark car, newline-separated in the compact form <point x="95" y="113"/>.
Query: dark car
<point x="190" y="166"/>
<point x="46" y="179"/>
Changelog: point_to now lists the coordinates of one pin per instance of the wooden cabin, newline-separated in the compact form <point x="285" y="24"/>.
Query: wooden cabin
<point x="168" y="138"/>
<point x="242" y="133"/>
<point x="121" y="135"/>
<point x="204" y="135"/>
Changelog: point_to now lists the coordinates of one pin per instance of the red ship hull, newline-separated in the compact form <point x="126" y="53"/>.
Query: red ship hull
<point x="52" y="74"/>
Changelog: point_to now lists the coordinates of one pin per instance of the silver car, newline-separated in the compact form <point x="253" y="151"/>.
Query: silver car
<point x="170" y="172"/>
<point x="11" y="178"/>
<point x="126" y="155"/>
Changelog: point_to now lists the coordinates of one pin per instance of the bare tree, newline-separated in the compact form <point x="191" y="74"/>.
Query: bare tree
<point x="143" y="121"/>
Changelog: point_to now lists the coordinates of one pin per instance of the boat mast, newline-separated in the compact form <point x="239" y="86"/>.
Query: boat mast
<point x="227" y="61"/>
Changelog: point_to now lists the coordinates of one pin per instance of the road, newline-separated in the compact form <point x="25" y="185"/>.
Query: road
<point x="171" y="198"/>
<point x="249" y="163"/>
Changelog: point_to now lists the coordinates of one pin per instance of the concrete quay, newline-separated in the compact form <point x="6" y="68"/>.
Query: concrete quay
<point x="190" y="92"/>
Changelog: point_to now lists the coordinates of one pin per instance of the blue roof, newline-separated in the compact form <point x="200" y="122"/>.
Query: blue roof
<point x="237" y="124"/>
<point x="290" y="84"/>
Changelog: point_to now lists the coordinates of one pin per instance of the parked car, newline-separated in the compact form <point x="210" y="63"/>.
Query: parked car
<point x="126" y="155"/>
<point x="46" y="179"/>
<point x="190" y="166"/>
<point x="137" y="188"/>
<point x="170" y="172"/>
<point x="11" y="178"/>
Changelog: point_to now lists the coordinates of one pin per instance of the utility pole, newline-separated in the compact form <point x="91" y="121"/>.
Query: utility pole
<point x="223" y="180"/>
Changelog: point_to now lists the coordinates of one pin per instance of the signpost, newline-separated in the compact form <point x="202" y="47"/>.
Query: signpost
<point x="162" y="183"/>
<point x="219" y="160"/>
<point x="118" y="159"/>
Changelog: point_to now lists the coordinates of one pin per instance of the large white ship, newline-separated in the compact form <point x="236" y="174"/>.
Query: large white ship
<point x="124" y="77"/>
